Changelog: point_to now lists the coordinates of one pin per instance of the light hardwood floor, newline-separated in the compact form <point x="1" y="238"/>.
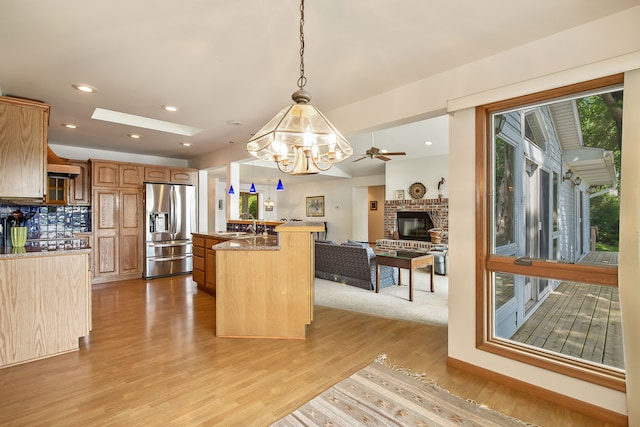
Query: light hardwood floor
<point x="152" y="359"/>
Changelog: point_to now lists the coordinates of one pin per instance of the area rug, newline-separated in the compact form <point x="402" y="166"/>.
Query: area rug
<point x="382" y="394"/>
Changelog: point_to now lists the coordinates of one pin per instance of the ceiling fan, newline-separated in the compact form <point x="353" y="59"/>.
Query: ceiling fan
<point x="380" y="154"/>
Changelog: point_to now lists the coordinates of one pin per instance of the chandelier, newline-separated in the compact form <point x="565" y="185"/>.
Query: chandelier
<point x="299" y="138"/>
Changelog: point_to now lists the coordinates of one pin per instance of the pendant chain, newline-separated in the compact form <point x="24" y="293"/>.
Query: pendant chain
<point x="302" y="81"/>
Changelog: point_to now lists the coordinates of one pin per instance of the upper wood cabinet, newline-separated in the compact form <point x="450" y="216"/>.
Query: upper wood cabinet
<point x="108" y="174"/>
<point x="80" y="186"/>
<point x="23" y="148"/>
<point x="170" y="175"/>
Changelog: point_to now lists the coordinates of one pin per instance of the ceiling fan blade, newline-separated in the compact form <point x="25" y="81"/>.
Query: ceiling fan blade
<point x="397" y="153"/>
<point x="361" y="158"/>
<point x="386" y="159"/>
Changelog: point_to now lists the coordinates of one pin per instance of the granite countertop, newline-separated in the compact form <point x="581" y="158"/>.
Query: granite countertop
<point x="257" y="243"/>
<point x="33" y="251"/>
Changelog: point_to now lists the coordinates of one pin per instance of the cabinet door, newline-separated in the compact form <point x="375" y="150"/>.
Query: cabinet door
<point x="182" y="176"/>
<point x="105" y="174"/>
<point x="79" y="187"/>
<point x="210" y="277"/>
<point x="23" y="148"/>
<point x="131" y="246"/>
<point x="105" y="230"/>
<point x="156" y="174"/>
<point x="131" y="175"/>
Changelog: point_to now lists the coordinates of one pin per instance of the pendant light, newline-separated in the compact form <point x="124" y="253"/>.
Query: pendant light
<point x="269" y="203"/>
<point x="299" y="138"/>
<point x="252" y="189"/>
<point x="230" y="158"/>
<point x="280" y="187"/>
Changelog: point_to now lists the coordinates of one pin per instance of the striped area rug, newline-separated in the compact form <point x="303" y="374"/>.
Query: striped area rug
<point x="382" y="394"/>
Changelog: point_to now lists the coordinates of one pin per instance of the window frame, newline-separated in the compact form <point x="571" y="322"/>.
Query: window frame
<point x="488" y="263"/>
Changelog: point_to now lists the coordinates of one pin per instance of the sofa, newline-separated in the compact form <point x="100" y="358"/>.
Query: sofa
<point x="352" y="263"/>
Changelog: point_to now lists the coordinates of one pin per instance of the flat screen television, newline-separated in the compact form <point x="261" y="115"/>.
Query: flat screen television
<point x="414" y="225"/>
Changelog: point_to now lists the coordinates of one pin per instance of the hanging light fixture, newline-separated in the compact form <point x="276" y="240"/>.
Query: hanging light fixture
<point x="280" y="187"/>
<point x="269" y="203"/>
<point x="299" y="138"/>
<point x="230" y="158"/>
<point x="252" y="189"/>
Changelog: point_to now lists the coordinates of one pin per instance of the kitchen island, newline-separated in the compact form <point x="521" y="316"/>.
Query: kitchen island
<point x="264" y="285"/>
<point x="45" y="302"/>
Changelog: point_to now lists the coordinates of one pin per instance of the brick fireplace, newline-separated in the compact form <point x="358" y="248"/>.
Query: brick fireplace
<point x="440" y="206"/>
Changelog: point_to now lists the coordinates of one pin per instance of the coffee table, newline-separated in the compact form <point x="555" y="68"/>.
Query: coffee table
<point x="409" y="260"/>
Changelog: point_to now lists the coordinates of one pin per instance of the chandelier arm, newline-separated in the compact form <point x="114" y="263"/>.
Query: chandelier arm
<point x="285" y="170"/>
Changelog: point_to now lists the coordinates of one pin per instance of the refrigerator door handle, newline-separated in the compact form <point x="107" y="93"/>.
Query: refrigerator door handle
<point x="167" y="245"/>
<point x="172" y="212"/>
<point x="169" y="258"/>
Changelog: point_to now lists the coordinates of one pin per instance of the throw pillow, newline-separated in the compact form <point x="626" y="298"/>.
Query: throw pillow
<point x="354" y="242"/>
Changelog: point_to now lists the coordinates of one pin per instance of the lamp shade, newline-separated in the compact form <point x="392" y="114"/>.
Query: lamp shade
<point x="252" y="190"/>
<point x="280" y="187"/>
<point x="301" y="140"/>
<point x="231" y="190"/>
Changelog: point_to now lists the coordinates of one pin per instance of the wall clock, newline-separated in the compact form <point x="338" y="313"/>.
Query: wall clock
<point x="417" y="190"/>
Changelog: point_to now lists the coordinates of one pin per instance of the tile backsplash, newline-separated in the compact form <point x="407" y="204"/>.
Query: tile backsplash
<point x="53" y="226"/>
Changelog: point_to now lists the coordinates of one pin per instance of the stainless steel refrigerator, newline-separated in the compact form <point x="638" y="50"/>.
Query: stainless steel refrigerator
<point x="170" y="220"/>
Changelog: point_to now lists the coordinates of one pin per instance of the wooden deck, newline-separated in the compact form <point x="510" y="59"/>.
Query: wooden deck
<point x="579" y="320"/>
<point x="599" y="258"/>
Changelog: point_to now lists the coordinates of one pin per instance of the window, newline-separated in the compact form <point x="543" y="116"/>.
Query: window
<point x="248" y="203"/>
<point x="549" y="249"/>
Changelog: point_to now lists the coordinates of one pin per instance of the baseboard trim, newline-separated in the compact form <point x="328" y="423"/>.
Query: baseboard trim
<point x="588" y="409"/>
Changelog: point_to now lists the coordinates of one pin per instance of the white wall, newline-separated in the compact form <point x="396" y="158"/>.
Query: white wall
<point x="400" y="174"/>
<point x="339" y="203"/>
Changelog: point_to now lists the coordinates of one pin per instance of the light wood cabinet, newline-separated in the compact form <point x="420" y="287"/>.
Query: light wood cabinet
<point x="199" y="270"/>
<point x="184" y="176"/>
<point x="117" y="220"/>
<point x="170" y="175"/>
<point x="204" y="262"/>
<point x="267" y="293"/>
<point x="23" y="148"/>
<point x="210" y="264"/>
<point x="48" y="305"/>
<point x="80" y="187"/>
<point x="116" y="174"/>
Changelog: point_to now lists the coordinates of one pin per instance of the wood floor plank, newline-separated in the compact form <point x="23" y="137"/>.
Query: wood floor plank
<point x="152" y="360"/>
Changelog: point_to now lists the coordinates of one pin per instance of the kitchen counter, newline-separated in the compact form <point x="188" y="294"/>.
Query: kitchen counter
<point x="249" y="243"/>
<point x="33" y="251"/>
<point x="264" y="287"/>
<point x="48" y="304"/>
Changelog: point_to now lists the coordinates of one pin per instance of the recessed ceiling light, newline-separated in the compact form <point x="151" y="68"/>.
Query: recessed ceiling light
<point x="185" y="144"/>
<point x="134" y="135"/>
<point x="69" y="125"/>
<point x="84" y="88"/>
<point x="233" y="122"/>
<point x="170" y="108"/>
<point x="428" y="143"/>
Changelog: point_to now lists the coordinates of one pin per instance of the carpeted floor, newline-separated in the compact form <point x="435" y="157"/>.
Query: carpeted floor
<point x="393" y="301"/>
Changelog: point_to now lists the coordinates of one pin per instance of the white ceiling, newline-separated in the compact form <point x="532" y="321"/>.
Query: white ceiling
<point x="222" y="60"/>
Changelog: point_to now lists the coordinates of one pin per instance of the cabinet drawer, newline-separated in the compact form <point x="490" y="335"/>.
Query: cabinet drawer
<point x="198" y="276"/>
<point x="198" y="251"/>
<point x="198" y="241"/>
<point x="198" y="263"/>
